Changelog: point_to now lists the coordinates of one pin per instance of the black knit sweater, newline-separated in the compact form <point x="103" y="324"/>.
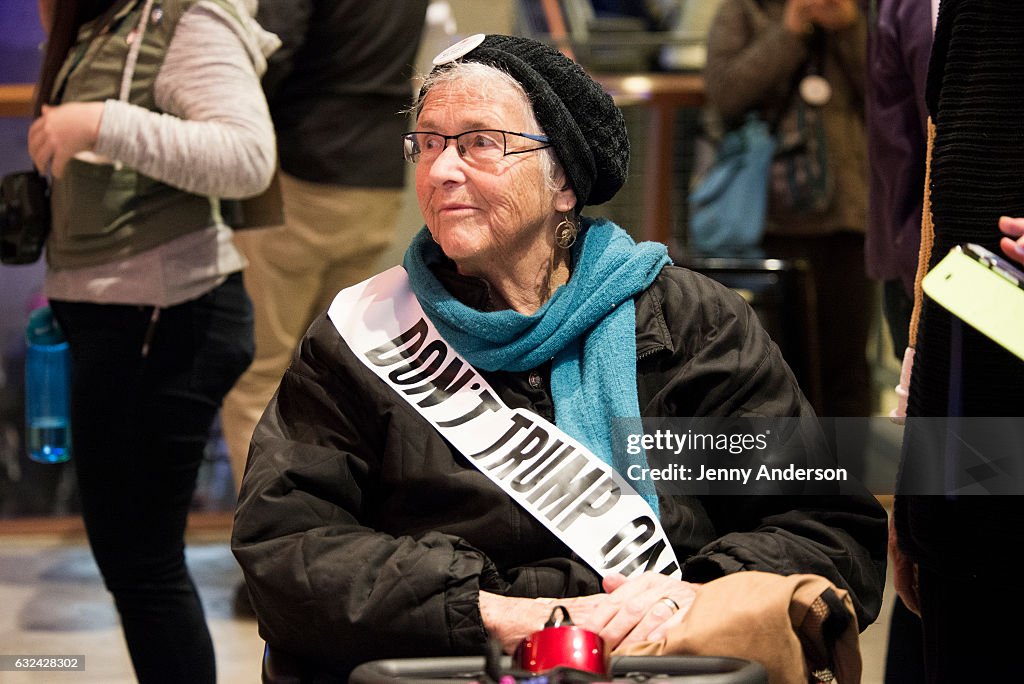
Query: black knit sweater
<point x="974" y="94"/>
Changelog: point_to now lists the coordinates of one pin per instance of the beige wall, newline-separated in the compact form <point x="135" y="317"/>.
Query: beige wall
<point x="483" y="16"/>
<point x="471" y="16"/>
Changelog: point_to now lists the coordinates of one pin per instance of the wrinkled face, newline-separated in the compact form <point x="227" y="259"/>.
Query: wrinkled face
<point x="484" y="214"/>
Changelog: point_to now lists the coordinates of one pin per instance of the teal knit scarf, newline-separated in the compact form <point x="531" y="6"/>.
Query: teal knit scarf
<point x="587" y="329"/>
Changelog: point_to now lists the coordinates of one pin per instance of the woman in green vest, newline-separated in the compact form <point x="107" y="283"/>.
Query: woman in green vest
<point x="149" y="111"/>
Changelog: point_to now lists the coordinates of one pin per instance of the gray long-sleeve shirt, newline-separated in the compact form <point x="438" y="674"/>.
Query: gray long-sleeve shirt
<point x="213" y="137"/>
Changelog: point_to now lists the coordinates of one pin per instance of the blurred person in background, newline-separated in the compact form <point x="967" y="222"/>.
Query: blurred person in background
<point x="760" y="54"/>
<point x="147" y="114"/>
<point x="337" y="90"/>
<point x="899" y="46"/>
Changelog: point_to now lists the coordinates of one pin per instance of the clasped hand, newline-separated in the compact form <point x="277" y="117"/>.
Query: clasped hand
<point x="631" y="611"/>
<point x="61" y="132"/>
<point x="831" y="15"/>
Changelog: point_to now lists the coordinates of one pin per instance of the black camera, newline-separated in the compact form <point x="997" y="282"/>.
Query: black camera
<point x="24" y="217"/>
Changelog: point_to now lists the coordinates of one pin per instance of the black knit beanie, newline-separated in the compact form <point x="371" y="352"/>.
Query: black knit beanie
<point x="585" y="126"/>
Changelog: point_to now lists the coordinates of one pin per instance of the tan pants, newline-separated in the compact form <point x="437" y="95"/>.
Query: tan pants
<point x="331" y="239"/>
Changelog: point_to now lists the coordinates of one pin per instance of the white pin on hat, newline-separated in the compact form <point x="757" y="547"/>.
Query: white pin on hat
<point x="453" y="52"/>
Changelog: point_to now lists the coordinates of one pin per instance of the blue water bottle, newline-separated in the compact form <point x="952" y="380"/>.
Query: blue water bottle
<point x="47" y="385"/>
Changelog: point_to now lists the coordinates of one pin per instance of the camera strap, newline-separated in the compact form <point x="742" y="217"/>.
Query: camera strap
<point x="135" y="37"/>
<point x="581" y="499"/>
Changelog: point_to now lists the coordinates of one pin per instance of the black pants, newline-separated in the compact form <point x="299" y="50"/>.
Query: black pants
<point x="904" y="659"/>
<point x="139" y="428"/>
<point x="904" y="655"/>
<point x="843" y="307"/>
<point x="971" y="625"/>
<point x="898" y="308"/>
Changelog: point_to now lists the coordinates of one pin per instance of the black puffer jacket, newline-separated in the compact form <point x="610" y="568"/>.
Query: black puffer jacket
<point x="363" y="536"/>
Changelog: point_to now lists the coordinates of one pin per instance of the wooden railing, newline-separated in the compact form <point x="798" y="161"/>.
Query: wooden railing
<point x="663" y="94"/>
<point x="16" y="99"/>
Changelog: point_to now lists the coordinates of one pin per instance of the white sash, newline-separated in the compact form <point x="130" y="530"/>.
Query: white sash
<point x="575" y="494"/>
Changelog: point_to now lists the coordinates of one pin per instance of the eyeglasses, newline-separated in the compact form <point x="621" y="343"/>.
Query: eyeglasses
<point x="480" y="147"/>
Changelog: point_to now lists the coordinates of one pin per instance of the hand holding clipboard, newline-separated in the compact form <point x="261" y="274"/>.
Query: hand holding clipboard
<point x="1012" y="246"/>
<point x="984" y="290"/>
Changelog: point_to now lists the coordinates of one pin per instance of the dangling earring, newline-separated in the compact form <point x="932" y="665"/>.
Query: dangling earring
<point x="565" y="233"/>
